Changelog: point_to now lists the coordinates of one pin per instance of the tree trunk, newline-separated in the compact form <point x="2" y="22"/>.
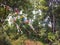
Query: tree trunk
<point x="54" y="24"/>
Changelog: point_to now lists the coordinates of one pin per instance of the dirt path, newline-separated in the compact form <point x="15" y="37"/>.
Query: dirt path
<point x="30" y="42"/>
<point x="26" y="42"/>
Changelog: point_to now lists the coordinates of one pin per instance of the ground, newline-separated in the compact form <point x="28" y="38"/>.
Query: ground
<point x="27" y="42"/>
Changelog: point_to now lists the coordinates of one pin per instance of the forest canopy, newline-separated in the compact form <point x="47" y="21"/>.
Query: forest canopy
<point x="29" y="19"/>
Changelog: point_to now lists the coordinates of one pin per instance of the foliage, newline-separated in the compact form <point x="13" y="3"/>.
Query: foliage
<point x="39" y="21"/>
<point x="51" y="36"/>
<point x="4" y="39"/>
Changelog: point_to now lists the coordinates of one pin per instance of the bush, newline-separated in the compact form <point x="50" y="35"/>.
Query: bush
<point x="4" y="39"/>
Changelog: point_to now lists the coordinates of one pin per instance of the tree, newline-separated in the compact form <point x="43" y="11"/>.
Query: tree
<point x="43" y="15"/>
<point x="22" y="5"/>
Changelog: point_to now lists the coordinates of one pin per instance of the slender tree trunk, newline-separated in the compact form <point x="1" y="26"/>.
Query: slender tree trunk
<point x="53" y="21"/>
<point x="52" y="15"/>
<point x="54" y="24"/>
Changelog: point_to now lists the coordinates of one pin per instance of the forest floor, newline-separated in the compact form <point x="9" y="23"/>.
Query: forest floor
<point x="27" y="42"/>
<point x="23" y="40"/>
<point x="31" y="42"/>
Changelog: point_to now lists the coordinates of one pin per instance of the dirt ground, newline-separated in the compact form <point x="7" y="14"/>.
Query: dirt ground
<point x="30" y="42"/>
<point x="27" y="42"/>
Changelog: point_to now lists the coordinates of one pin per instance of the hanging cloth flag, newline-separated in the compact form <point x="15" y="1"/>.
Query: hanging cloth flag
<point x="16" y="11"/>
<point x="25" y="20"/>
<point x="7" y="7"/>
<point x="21" y="16"/>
